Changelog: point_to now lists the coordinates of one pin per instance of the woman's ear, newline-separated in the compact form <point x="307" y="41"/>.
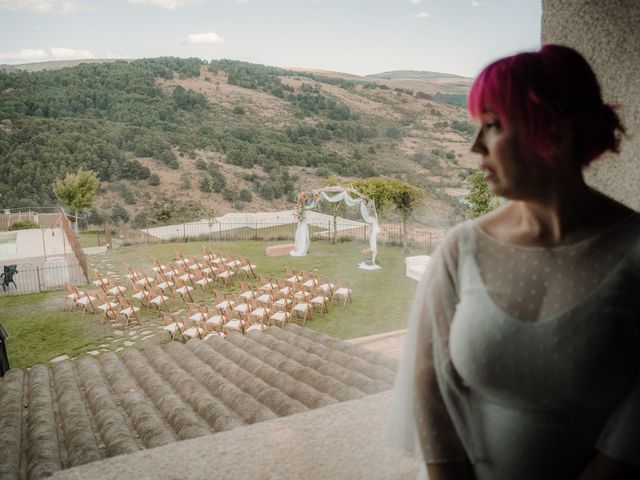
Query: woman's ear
<point x="561" y="140"/>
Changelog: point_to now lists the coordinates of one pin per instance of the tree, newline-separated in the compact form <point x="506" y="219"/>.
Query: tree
<point x="77" y="190"/>
<point x="119" y="213"/>
<point x="480" y="200"/>
<point x="391" y="192"/>
<point x="406" y="198"/>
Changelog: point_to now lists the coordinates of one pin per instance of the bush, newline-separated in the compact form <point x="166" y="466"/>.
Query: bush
<point x="118" y="213"/>
<point x="154" y="180"/>
<point x="245" y="195"/>
<point x="23" y="225"/>
<point x="125" y="193"/>
<point x="141" y="220"/>
<point x="464" y="127"/>
<point x="323" y="172"/>
<point x="238" y="205"/>
<point x="95" y="217"/>
<point x="394" y="132"/>
<point x="185" y="181"/>
<point x="238" y="110"/>
<point x="228" y="194"/>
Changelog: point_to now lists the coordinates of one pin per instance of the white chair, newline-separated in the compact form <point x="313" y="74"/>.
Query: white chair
<point x="171" y="325"/>
<point x="302" y="309"/>
<point x="342" y="292"/>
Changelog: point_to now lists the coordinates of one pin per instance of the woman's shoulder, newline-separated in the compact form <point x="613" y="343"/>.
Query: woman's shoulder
<point x="448" y="250"/>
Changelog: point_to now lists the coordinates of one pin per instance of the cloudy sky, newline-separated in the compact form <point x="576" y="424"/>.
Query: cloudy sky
<point x="355" y="36"/>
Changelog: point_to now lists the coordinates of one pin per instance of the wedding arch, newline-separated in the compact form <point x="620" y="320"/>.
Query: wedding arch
<point x="310" y="200"/>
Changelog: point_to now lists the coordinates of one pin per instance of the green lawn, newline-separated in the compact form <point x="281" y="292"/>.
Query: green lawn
<point x="90" y="239"/>
<point x="41" y="329"/>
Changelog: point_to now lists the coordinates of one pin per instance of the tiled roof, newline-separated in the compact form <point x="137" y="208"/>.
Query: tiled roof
<point x="100" y="407"/>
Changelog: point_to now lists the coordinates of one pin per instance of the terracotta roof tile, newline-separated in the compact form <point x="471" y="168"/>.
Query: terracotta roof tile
<point x="95" y="408"/>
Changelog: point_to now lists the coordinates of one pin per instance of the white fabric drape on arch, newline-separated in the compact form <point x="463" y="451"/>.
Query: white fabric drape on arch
<point x="302" y="232"/>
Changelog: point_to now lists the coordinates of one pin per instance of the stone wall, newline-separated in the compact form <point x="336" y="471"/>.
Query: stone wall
<point x="606" y="33"/>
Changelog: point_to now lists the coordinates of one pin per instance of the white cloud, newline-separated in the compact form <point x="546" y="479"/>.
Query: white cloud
<point x="413" y="2"/>
<point x="210" y="38"/>
<point x="420" y="15"/>
<point x="70" y="54"/>
<point x="168" y="4"/>
<point x="45" y="6"/>
<point x="117" y="56"/>
<point x="480" y="3"/>
<point x="25" y="55"/>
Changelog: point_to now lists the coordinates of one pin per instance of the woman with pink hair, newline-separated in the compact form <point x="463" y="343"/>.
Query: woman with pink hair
<point x="523" y="349"/>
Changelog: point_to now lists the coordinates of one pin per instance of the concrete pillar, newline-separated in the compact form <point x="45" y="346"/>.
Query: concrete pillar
<point x="607" y="33"/>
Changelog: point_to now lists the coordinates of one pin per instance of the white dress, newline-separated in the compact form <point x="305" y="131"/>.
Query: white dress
<point x="526" y="361"/>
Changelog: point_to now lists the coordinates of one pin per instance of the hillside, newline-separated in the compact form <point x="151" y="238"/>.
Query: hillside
<point x="50" y="65"/>
<point x="175" y="139"/>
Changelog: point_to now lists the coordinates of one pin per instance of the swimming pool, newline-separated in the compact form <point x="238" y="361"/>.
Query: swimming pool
<point x="8" y="246"/>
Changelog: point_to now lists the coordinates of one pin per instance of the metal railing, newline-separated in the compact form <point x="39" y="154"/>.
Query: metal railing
<point x="343" y="231"/>
<point x="75" y="244"/>
<point x="42" y="277"/>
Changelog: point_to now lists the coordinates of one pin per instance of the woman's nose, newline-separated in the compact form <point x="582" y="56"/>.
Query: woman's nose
<point x="478" y="144"/>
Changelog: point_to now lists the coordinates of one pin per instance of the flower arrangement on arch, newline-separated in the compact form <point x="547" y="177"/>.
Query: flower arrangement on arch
<point x="303" y="198"/>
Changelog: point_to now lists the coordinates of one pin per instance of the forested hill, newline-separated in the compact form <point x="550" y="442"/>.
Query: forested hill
<point x="176" y="137"/>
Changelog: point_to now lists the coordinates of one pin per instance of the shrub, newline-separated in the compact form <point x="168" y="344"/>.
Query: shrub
<point x="119" y="213"/>
<point x="245" y="195"/>
<point x="228" y="194"/>
<point x="393" y="132"/>
<point x="154" y="180"/>
<point x="185" y="181"/>
<point x="464" y="127"/>
<point x="238" y="110"/>
<point x="23" y="225"/>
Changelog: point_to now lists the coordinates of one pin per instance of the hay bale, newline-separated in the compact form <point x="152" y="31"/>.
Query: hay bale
<point x="279" y="250"/>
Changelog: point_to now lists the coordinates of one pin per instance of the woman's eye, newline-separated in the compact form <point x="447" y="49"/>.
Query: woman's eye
<point x="494" y="124"/>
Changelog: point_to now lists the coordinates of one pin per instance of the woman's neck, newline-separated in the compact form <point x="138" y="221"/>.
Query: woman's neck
<point x="564" y="214"/>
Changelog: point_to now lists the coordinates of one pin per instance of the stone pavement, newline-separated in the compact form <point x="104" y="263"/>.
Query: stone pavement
<point x="149" y="331"/>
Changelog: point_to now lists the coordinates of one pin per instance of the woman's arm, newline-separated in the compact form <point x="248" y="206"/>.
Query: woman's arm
<point x="603" y="467"/>
<point x="451" y="471"/>
<point x="443" y="452"/>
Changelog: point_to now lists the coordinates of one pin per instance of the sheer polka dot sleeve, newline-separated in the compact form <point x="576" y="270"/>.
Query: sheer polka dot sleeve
<point x="620" y="439"/>
<point x="439" y="441"/>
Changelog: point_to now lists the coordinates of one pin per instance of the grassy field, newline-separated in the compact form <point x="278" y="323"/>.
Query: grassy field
<point x="90" y="239"/>
<point x="41" y="329"/>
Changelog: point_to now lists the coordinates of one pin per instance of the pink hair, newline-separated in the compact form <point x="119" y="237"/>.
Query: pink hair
<point x="536" y="93"/>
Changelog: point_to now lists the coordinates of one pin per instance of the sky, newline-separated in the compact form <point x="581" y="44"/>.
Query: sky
<point x="353" y="36"/>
